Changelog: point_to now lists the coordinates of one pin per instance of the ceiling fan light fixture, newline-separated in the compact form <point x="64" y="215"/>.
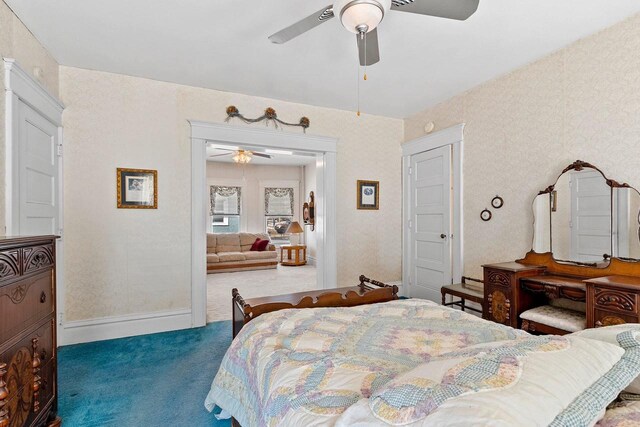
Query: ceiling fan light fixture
<point x="242" y="157"/>
<point x="361" y="15"/>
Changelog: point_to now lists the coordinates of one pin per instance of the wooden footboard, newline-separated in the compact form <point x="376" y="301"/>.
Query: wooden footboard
<point x="367" y="292"/>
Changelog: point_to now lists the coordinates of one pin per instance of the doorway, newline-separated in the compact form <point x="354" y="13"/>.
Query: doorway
<point x="432" y="213"/>
<point x="258" y="199"/>
<point x="33" y="163"/>
<point x="323" y="151"/>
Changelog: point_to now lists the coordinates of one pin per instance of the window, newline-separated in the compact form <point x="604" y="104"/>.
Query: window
<point x="278" y="208"/>
<point x="225" y="209"/>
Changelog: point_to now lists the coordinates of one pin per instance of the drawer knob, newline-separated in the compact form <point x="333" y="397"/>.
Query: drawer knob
<point x="43" y="297"/>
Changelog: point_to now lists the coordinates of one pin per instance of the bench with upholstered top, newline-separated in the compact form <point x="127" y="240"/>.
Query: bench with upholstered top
<point x="232" y="252"/>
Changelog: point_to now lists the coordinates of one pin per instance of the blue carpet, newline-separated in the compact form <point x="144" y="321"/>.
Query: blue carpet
<point x="150" y="380"/>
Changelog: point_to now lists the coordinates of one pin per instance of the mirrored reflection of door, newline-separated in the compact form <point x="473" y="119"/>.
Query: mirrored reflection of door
<point x="430" y="189"/>
<point x="590" y="216"/>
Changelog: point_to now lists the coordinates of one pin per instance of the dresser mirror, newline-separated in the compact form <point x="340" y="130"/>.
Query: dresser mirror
<point x="586" y="218"/>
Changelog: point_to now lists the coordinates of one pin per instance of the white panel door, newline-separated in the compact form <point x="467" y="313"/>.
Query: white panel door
<point x="430" y="223"/>
<point x="590" y="216"/>
<point x="38" y="175"/>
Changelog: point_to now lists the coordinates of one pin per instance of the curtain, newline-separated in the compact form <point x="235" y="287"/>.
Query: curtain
<point x="278" y="201"/>
<point x="225" y="200"/>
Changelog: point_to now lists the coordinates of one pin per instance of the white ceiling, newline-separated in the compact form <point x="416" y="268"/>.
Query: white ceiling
<point x="276" y="159"/>
<point x="223" y="45"/>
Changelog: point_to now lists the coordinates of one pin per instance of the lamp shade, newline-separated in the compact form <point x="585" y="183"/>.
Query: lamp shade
<point x="295" y="228"/>
<point x="355" y="13"/>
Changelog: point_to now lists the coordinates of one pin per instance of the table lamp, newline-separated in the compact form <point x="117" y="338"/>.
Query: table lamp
<point x="295" y="228"/>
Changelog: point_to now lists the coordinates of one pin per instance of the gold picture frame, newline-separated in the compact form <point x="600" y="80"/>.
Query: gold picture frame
<point x="368" y="196"/>
<point x="137" y="188"/>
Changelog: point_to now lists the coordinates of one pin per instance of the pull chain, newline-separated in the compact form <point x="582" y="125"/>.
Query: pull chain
<point x="358" y="86"/>
<point x="363" y="37"/>
<point x="365" y="56"/>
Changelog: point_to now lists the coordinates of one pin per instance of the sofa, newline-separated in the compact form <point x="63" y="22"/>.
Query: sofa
<point x="232" y="252"/>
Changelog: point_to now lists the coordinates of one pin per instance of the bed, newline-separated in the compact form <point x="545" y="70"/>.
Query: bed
<point x="413" y="362"/>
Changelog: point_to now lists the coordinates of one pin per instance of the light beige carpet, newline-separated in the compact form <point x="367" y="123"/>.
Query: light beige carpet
<point x="252" y="284"/>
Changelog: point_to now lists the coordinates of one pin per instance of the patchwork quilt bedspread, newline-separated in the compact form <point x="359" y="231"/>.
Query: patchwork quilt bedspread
<point x="413" y="362"/>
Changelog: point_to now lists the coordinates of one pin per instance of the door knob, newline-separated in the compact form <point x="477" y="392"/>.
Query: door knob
<point x="443" y="236"/>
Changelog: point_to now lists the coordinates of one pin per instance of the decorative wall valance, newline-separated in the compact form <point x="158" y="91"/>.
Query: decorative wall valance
<point x="269" y="115"/>
<point x="278" y="201"/>
<point x="225" y="200"/>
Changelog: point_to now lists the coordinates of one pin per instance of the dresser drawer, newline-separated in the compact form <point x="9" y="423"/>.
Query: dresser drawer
<point x="30" y="403"/>
<point x="618" y="301"/>
<point x="498" y="305"/>
<point x="40" y="342"/>
<point x="24" y="303"/>
<point x="25" y="374"/>
<point x="609" y="318"/>
<point x="37" y="258"/>
<point x="9" y="264"/>
<point x="498" y="278"/>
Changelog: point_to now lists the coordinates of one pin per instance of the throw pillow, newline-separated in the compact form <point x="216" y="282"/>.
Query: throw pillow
<point x="254" y="247"/>
<point x="262" y="245"/>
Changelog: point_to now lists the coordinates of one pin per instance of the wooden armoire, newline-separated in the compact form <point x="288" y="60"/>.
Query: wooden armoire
<point x="28" y="365"/>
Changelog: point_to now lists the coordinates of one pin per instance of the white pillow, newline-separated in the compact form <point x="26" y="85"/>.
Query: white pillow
<point x="609" y="334"/>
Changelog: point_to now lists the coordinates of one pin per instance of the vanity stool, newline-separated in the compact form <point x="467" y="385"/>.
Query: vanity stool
<point x="548" y="319"/>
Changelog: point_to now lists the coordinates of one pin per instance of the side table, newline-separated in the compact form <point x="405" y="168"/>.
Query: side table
<point x="300" y="257"/>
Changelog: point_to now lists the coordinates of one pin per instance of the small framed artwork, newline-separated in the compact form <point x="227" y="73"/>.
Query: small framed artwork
<point x="369" y="195"/>
<point x="137" y="188"/>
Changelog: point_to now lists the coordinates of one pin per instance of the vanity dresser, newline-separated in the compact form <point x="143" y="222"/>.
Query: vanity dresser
<point x="585" y="255"/>
<point x="28" y="365"/>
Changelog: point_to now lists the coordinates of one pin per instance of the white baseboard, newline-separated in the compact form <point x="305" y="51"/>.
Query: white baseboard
<point x="107" y="328"/>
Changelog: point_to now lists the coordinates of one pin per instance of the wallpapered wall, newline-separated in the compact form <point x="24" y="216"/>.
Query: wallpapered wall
<point x="128" y="261"/>
<point x="522" y="129"/>
<point x="18" y="43"/>
<point x="582" y="102"/>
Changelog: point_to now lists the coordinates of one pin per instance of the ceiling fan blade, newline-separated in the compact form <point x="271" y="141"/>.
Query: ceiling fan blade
<point x="373" y="53"/>
<point x="452" y="9"/>
<point x="266" y="156"/>
<point x="302" y="26"/>
<point x="220" y="155"/>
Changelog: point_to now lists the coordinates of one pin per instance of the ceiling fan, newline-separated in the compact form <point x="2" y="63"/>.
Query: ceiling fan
<point x="362" y="17"/>
<point x="240" y="156"/>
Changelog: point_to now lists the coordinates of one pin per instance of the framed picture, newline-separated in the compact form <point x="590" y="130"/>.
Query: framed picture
<point x="137" y="188"/>
<point x="368" y="195"/>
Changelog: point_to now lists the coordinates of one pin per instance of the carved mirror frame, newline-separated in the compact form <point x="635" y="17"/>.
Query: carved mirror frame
<point x="578" y="166"/>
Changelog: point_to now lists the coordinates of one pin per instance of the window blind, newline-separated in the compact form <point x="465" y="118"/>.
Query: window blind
<point x="278" y="201"/>
<point x="225" y="200"/>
